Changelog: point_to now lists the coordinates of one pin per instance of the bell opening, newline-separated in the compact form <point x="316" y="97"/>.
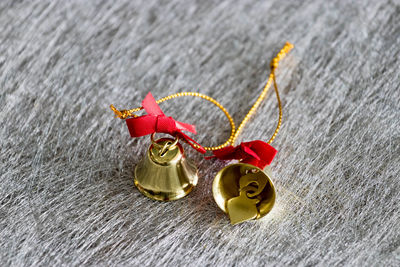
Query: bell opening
<point x="236" y="177"/>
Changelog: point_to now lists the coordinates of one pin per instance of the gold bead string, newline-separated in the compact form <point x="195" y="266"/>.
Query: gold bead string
<point x="123" y="114"/>
<point x="274" y="64"/>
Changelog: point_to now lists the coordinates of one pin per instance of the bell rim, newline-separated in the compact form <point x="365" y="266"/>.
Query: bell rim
<point x="159" y="197"/>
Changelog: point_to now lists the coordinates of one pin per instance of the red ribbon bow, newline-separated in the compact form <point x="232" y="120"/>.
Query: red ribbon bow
<point x="257" y="153"/>
<point x="156" y="122"/>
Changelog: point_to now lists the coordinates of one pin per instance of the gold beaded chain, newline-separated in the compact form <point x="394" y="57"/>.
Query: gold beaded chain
<point x="274" y="64"/>
<point x="123" y="114"/>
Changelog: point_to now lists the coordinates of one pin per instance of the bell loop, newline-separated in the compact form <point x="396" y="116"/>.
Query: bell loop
<point x="167" y="146"/>
<point x="171" y="144"/>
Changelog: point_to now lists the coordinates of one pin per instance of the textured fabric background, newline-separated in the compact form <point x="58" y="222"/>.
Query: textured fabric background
<point x="67" y="193"/>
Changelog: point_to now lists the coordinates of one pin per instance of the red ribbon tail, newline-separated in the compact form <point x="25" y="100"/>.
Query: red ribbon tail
<point x="191" y="142"/>
<point x="225" y="153"/>
<point x="257" y="153"/>
<point x="264" y="151"/>
<point x="185" y="127"/>
<point x="150" y="105"/>
<point x="249" y="151"/>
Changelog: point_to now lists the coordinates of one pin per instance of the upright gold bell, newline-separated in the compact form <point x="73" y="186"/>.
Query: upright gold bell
<point x="164" y="173"/>
<point x="244" y="192"/>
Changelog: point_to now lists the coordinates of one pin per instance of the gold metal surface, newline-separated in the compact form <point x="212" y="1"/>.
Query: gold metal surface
<point x="244" y="191"/>
<point x="164" y="173"/>
<point x="274" y="65"/>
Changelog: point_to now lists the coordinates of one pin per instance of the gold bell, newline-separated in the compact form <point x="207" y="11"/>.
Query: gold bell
<point x="164" y="173"/>
<point x="244" y="192"/>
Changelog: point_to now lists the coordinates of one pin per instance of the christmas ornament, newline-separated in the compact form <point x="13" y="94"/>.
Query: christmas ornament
<point x="245" y="190"/>
<point x="165" y="173"/>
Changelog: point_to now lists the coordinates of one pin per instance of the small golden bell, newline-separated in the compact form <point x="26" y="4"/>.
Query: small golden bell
<point x="164" y="173"/>
<point x="244" y="191"/>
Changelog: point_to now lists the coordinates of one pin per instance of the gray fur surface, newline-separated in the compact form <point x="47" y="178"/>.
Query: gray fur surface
<point x="67" y="196"/>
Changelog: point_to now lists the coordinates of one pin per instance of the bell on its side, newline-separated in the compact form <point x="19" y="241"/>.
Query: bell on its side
<point x="244" y="191"/>
<point x="164" y="173"/>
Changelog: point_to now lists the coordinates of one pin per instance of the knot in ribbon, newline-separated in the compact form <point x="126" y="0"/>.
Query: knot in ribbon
<point x="155" y="121"/>
<point x="257" y="153"/>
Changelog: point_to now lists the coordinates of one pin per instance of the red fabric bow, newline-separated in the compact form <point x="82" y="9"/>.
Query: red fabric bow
<point x="257" y="153"/>
<point x="156" y="122"/>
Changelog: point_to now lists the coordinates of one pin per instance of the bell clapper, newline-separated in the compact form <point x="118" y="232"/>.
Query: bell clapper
<point x="244" y="192"/>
